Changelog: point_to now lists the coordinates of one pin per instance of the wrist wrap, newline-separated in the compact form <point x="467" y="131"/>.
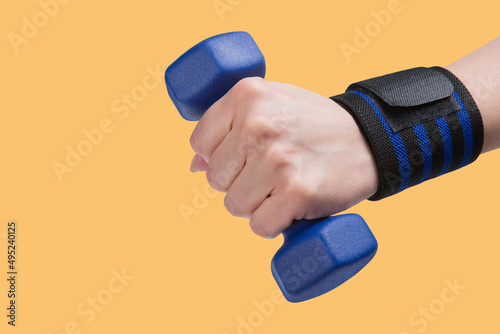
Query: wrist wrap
<point x="419" y="124"/>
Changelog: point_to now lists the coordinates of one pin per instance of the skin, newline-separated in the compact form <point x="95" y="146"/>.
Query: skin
<point x="281" y="153"/>
<point x="480" y="73"/>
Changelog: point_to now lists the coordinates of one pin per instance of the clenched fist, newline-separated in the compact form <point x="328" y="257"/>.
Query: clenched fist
<point x="282" y="153"/>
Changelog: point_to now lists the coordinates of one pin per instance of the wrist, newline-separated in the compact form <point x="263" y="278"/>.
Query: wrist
<point x="419" y="124"/>
<point x="367" y="171"/>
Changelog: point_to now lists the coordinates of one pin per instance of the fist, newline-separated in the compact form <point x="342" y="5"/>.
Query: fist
<point x="281" y="153"/>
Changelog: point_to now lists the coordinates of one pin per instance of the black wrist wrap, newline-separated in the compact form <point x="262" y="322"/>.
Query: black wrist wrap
<point x="419" y="124"/>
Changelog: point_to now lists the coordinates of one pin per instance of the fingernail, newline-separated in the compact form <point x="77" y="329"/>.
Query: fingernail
<point x="193" y="162"/>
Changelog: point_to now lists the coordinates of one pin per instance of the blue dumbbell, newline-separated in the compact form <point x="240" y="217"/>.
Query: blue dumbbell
<point x="317" y="255"/>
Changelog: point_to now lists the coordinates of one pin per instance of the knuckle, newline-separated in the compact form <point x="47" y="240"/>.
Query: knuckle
<point x="300" y="190"/>
<point x="194" y="141"/>
<point x="217" y="179"/>
<point x="260" y="229"/>
<point x="233" y="207"/>
<point x="249" y="87"/>
<point x="210" y="177"/>
<point x="278" y="159"/>
<point x="259" y="130"/>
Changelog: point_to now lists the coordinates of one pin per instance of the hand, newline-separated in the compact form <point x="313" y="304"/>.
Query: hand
<point x="282" y="153"/>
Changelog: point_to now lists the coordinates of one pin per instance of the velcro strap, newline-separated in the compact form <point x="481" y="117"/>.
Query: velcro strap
<point x="411" y="97"/>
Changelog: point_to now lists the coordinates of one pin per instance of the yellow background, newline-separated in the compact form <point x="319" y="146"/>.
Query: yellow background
<point x="119" y="209"/>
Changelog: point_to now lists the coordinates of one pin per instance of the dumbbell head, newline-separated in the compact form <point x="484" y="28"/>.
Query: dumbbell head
<point x="208" y="70"/>
<point x="320" y="254"/>
<point x="317" y="255"/>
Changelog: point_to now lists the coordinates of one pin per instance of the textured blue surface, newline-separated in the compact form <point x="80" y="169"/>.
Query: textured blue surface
<point x="206" y="72"/>
<point x="319" y="255"/>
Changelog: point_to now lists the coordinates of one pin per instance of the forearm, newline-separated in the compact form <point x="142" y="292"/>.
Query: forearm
<point x="480" y="73"/>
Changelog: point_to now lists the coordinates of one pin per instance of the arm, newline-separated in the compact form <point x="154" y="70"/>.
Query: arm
<point x="480" y="73"/>
<point x="283" y="153"/>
